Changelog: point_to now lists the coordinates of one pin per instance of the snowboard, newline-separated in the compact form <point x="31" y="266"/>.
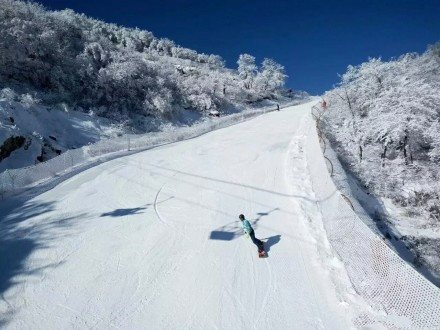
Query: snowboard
<point x="262" y="252"/>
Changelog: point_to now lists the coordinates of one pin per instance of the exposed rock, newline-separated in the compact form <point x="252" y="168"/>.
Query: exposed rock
<point x="11" y="144"/>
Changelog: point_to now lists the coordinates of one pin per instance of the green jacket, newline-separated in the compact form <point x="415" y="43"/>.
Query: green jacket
<point x="247" y="226"/>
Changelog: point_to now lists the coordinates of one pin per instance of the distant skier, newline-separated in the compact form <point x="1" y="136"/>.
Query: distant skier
<point x="278" y="107"/>
<point x="250" y="231"/>
<point x="324" y="104"/>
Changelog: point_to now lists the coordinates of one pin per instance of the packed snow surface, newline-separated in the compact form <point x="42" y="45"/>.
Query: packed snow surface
<point x="153" y="240"/>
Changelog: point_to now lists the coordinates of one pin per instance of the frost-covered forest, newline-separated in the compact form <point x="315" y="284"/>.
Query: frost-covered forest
<point x="384" y="121"/>
<point x="63" y="57"/>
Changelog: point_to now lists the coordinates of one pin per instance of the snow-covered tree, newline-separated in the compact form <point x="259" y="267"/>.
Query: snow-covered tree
<point x="247" y="69"/>
<point x="271" y="76"/>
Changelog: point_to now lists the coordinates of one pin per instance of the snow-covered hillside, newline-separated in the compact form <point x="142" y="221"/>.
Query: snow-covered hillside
<point x="383" y="122"/>
<point x="117" y="72"/>
<point x="153" y="240"/>
<point x="46" y="132"/>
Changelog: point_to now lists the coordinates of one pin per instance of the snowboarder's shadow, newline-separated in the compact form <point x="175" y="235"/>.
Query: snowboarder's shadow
<point x="270" y="241"/>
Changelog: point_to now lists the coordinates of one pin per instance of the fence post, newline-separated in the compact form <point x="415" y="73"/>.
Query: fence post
<point x="2" y="185"/>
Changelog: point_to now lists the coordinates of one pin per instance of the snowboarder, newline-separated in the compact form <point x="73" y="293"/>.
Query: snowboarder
<point x="250" y="231"/>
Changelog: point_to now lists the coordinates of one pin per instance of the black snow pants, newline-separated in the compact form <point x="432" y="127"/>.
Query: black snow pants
<point x="256" y="241"/>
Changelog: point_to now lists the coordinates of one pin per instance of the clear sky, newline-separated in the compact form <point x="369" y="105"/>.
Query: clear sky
<point x="314" y="40"/>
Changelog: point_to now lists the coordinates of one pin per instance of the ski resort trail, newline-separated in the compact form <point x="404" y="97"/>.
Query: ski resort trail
<point x="153" y="240"/>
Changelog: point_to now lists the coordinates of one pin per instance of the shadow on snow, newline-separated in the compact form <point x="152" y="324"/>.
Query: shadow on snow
<point x="20" y="236"/>
<point x="123" y="212"/>
<point x="271" y="241"/>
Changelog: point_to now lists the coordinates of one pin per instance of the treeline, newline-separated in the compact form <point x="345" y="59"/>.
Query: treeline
<point x="117" y="71"/>
<point x="384" y="119"/>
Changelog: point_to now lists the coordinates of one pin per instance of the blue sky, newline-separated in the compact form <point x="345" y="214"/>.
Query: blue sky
<point x="314" y="40"/>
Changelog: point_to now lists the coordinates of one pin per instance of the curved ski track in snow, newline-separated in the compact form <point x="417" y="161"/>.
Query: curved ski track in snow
<point x="153" y="241"/>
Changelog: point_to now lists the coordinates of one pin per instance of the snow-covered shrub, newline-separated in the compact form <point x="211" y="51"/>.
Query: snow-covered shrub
<point x="29" y="101"/>
<point x="163" y="102"/>
<point x="8" y="94"/>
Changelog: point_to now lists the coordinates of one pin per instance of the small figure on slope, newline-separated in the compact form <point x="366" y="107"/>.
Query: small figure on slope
<point x="250" y="231"/>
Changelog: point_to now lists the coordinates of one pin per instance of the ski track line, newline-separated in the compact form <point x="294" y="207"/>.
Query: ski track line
<point x="161" y="218"/>
<point x="77" y="313"/>
<point x="244" y="313"/>
<point x="154" y="279"/>
<point x="251" y="209"/>
<point x="147" y="300"/>
<point x="159" y="278"/>
<point x="155" y="205"/>
<point x="156" y="209"/>
<point x="269" y="268"/>
<point x="269" y="289"/>
<point x="196" y="310"/>
<point x="166" y="223"/>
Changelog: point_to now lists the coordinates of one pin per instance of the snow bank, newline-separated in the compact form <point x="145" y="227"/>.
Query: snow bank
<point x="376" y="272"/>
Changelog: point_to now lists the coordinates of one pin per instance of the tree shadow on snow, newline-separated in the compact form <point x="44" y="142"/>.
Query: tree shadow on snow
<point x="124" y="212"/>
<point x="261" y="215"/>
<point x="222" y="235"/>
<point x="20" y="236"/>
<point x="227" y="232"/>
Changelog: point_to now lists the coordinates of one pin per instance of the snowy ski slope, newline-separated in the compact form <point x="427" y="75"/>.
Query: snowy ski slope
<point x="153" y="240"/>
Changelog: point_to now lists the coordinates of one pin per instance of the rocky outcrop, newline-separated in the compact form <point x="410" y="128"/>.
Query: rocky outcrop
<point x="11" y="144"/>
